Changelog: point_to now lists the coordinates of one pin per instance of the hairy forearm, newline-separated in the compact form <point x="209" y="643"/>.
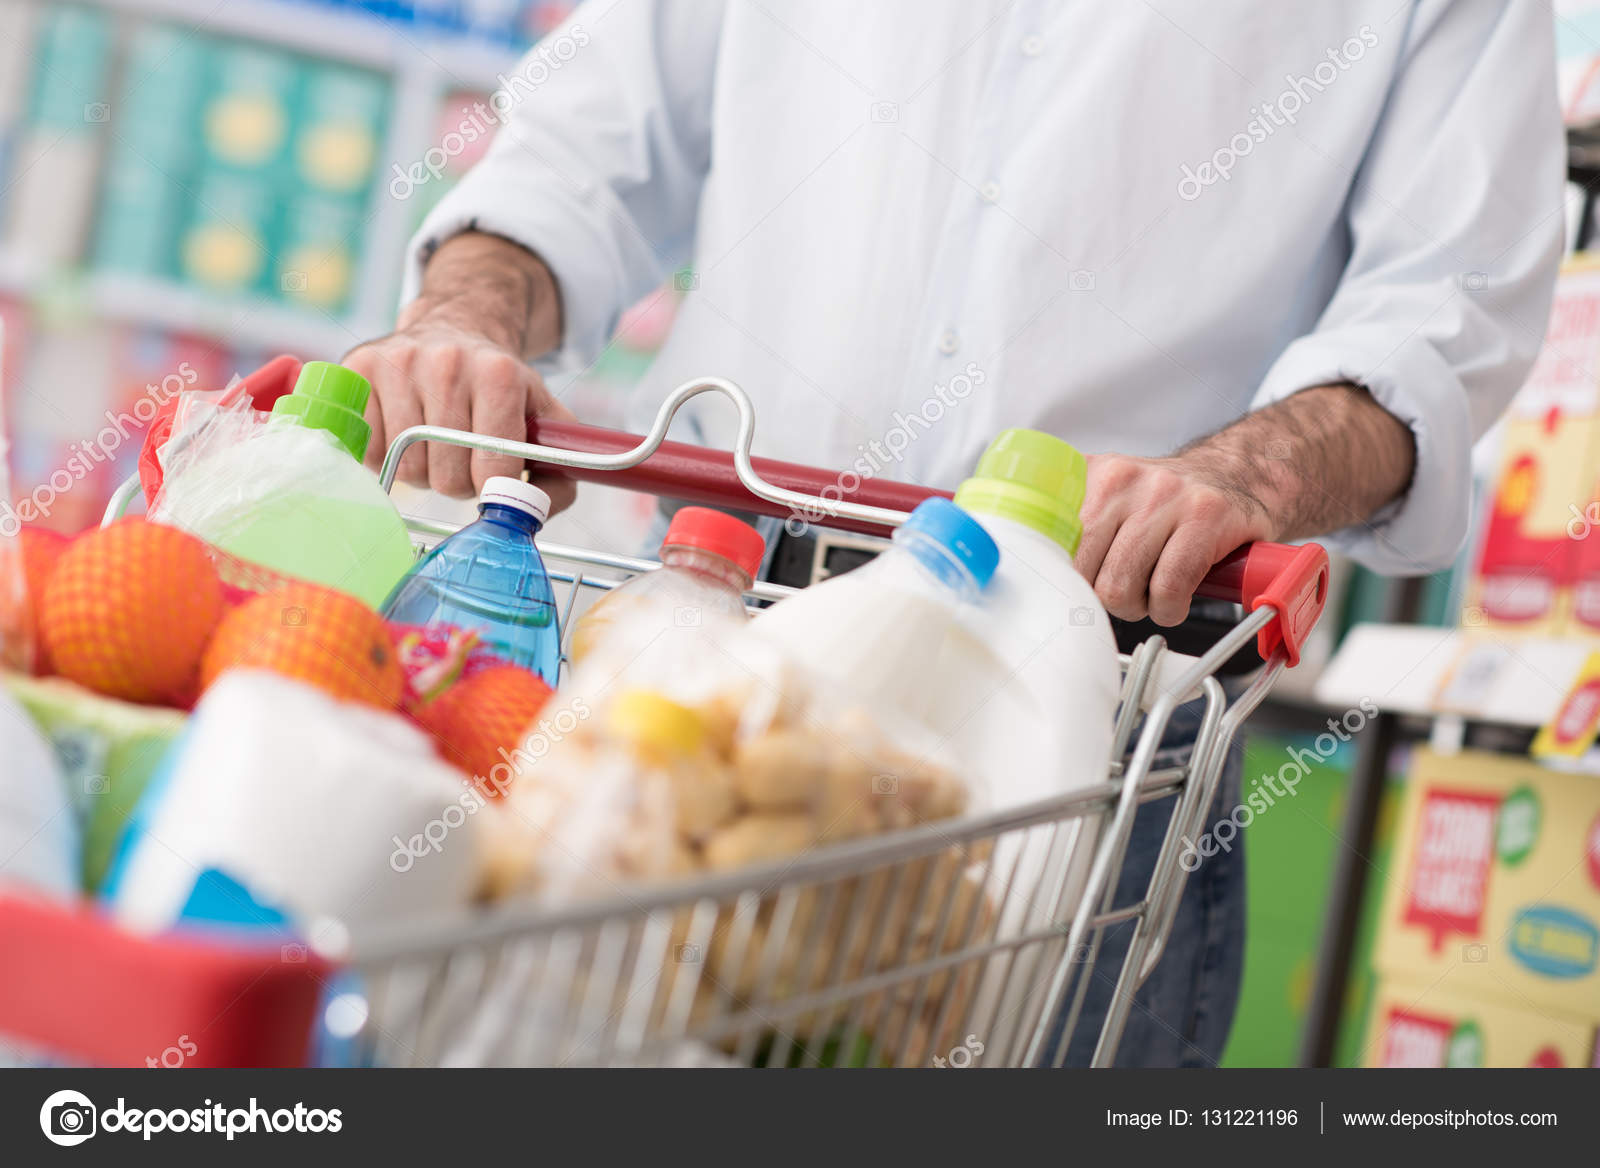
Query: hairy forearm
<point x="490" y="286"/>
<point x="1315" y="462"/>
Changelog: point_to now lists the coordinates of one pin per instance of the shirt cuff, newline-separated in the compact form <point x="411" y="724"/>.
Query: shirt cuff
<point x="563" y="237"/>
<point x="1423" y="530"/>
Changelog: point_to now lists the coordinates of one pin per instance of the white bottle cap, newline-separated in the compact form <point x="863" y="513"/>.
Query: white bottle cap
<point x="510" y="492"/>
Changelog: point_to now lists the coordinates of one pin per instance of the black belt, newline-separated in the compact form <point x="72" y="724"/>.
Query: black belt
<point x="799" y="561"/>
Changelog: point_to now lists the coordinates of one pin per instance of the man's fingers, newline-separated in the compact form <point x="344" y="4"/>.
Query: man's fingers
<point x="1184" y="562"/>
<point x="442" y="382"/>
<point x="362" y="361"/>
<point x="1123" y="582"/>
<point x="1106" y="503"/>
<point x="498" y="389"/>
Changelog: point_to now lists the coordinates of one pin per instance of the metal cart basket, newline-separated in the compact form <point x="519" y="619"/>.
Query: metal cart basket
<point x="915" y="948"/>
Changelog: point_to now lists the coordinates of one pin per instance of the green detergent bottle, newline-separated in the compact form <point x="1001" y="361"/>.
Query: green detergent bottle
<point x="296" y="497"/>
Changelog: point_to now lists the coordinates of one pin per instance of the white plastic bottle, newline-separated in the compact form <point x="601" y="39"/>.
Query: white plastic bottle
<point x="1049" y="730"/>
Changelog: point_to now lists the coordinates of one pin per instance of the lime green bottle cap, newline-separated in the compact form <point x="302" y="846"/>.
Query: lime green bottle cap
<point x="332" y="398"/>
<point x="1033" y="478"/>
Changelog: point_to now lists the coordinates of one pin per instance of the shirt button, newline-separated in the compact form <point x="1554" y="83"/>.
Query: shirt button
<point x="1032" y="46"/>
<point x="949" y="342"/>
<point x="989" y="192"/>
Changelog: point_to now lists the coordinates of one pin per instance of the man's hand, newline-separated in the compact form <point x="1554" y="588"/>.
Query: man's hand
<point x="459" y="358"/>
<point x="1320" y="460"/>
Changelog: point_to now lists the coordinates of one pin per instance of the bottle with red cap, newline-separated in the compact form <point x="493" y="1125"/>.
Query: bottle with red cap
<point x="708" y="559"/>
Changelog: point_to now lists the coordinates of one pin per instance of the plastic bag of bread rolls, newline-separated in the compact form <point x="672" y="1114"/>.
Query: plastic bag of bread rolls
<point x="733" y="760"/>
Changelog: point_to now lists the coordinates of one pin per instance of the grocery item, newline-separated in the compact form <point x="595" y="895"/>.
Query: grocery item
<point x="227" y="240"/>
<point x="319" y="243"/>
<point x="246" y="117"/>
<point x="324" y="638"/>
<point x="1497" y="882"/>
<point x="1528" y="556"/>
<point x="479" y="723"/>
<point x="52" y="180"/>
<point x="39" y="839"/>
<point x="107" y="751"/>
<point x="1046" y="726"/>
<point x="148" y="167"/>
<point x="708" y="560"/>
<point x="129" y="611"/>
<point x="341" y="122"/>
<point x="281" y="806"/>
<point x="726" y="758"/>
<point x="291" y="497"/>
<point x="895" y="631"/>
<point x="489" y="577"/>
<point x="1433" y="1024"/>
<point x="41" y="549"/>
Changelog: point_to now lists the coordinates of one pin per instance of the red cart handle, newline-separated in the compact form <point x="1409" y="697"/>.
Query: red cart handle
<point x="74" y="983"/>
<point x="1293" y="580"/>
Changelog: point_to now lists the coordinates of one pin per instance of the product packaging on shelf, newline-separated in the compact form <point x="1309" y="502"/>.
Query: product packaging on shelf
<point x="152" y="156"/>
<point x="1537" y="568"/>
<point x="342" y="116"/>
<point x="1496" y="882"/>
<point x="1418" y="1024"/>
<point x="58" y="154"/>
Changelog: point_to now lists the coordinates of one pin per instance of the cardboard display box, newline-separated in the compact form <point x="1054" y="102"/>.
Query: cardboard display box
<point x="1496" y="882"/>
<point x="1417" y="1025"/>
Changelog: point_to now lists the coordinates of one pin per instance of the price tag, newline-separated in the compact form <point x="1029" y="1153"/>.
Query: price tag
<point x="1468" y="683"/>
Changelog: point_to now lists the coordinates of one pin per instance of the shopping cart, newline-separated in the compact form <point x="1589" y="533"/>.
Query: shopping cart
<point x="915" y="948"/>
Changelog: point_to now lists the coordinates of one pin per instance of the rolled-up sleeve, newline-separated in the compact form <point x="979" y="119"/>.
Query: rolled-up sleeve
<point x="599" y="161"/>
<point x="1456" y="230"/>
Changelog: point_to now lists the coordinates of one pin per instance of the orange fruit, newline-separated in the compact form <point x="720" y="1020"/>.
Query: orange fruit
<point x="128" y="611"/>
<point x="480" y="721"/>
<point x="316" y="635"/>
<point x="38" y="549"/>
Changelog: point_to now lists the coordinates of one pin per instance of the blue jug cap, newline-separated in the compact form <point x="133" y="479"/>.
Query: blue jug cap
<point x="942" y="521"/>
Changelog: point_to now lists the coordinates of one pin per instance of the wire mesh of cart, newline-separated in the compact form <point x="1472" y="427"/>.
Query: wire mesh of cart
<point x="920" y="947"/>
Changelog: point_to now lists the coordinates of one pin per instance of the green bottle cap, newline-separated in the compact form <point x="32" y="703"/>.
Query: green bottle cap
<point x="332" y="398"/>
<point x="1033" y="478"/>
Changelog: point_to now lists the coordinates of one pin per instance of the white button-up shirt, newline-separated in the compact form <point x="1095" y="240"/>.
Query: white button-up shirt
<point x="1126" y="222"/>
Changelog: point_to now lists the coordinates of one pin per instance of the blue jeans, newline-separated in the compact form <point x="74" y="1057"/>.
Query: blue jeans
<point x="1182" y="1014"/>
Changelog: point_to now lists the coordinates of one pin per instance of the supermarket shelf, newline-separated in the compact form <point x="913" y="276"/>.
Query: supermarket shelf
<point x="1400" y="668"/>
<point x="356" y="37"/>
<point x="245" y="323"/>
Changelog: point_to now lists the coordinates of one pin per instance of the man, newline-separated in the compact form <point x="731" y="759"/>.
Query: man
<point x="1276" y="266"/>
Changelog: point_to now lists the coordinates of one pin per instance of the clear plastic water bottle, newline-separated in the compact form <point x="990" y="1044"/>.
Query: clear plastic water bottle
<point x="490" y="578"/>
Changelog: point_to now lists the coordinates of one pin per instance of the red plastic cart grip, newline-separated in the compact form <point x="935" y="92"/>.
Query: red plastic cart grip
<point x="75" y="984"/>
<point x="1293" y="580"/>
